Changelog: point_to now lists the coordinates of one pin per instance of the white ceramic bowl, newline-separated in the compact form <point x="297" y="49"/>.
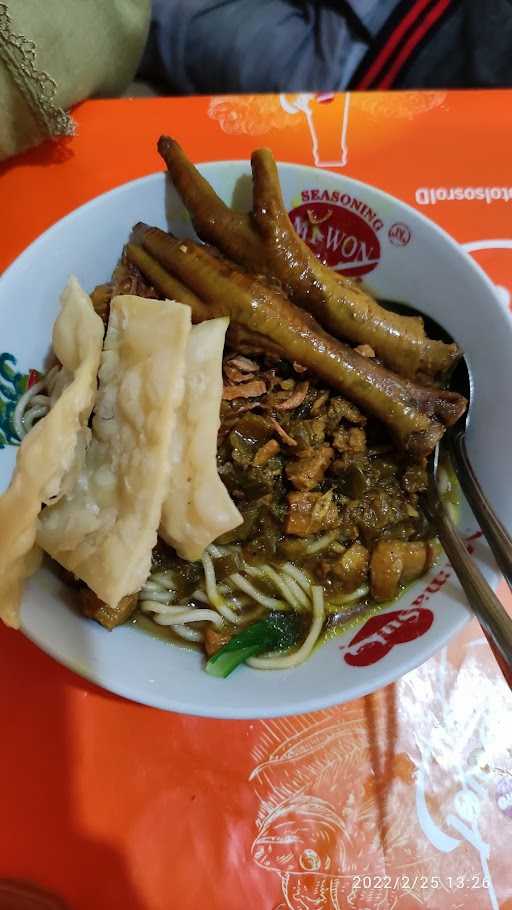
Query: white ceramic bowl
<point x="417" y="262"/>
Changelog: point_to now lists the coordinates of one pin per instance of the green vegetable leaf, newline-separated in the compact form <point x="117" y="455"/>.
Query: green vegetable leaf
<point x="277" y="632"/>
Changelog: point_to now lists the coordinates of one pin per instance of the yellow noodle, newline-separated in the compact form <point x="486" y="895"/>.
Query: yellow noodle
<point x="163" y="597"/>
<point x="303" y="598"/>
<point x="268" y="574"/>
<point x="167" y="578"/>
<point x="155" y="606"/>
<point x="245" y="585"/>
<point x="298" y="575"/>
<point x="344" y="599"/>
<point x="187" y="633"/>
<point x="321" y="543"/>
<point x="200" y="596"/>
<point x="282" y="586"/>
<point x="213" y="595"/>
<point x="215" y="550"/>
<point x="189" y="615"/>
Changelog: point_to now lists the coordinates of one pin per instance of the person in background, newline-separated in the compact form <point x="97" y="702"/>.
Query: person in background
<point x="229" y="46"/>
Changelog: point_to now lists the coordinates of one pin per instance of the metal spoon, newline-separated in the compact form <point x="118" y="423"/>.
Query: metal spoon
<point x="497" y="536"/>
<point x="454" y="439"/>
<point x="491" y="614"/>
<point x="494" y="619"/>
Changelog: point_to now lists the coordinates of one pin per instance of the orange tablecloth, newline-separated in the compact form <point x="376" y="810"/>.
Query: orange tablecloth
<point x="400" y="800"/>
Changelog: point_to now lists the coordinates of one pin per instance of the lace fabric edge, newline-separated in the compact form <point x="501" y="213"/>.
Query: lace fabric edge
<point x="19" y="54"/>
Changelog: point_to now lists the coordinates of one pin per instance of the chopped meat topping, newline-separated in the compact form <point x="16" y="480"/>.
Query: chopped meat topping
<point x="294" y="400"/>
<point x="395" y="563"/>
<point x="318" y="405"/>
<point x="308" y="471"/>
<point x="310" y="513"/>
<point x="215" y="639"/>
<point x="310" y="433"/>
<point x="110" y="617"/>
<point x="244" y="364"/>
<point x="415" y="478"/>
<point x="340" y="409"/>
<point x="235" y="375"/>
<point x="245" y="390"/>
<point x="304" y="461"/>
<point x="100" y="298"/>
<point x="352" y="568"/>
<point x="289" y="440"/>
<point x="127" y="279"/>
<point x="352" y="440"/>
<point x="266" y="452"/>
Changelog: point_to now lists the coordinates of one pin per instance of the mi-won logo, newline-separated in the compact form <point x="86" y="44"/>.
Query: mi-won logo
<point x="341" y="229"/>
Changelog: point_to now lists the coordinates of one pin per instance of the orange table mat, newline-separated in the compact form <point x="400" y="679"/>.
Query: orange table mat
<point x="402" y="799"/>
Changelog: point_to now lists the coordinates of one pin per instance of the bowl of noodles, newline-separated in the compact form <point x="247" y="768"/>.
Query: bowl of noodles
<point x="215" y="433"/>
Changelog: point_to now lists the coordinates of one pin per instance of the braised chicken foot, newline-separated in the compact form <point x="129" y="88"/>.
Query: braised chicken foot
<point x="265" y="243"/>
<point x="415" y="415"/>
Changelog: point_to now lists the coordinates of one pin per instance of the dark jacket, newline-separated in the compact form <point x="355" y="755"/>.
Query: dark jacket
<point x="227" y="46"/>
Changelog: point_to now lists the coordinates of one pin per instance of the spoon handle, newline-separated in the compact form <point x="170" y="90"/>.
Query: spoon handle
<point x="497" y="537"/>
<point x="494" y="620"/>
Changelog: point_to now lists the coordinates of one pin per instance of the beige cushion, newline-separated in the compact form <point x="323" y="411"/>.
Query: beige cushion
<point x="88" y="47"/>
